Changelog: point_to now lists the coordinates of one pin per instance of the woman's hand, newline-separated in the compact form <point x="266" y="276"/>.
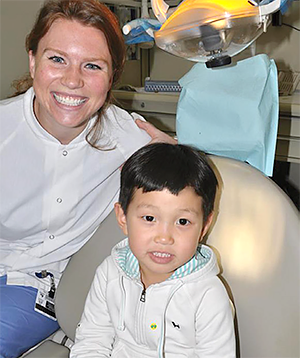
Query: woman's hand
<point x="154" y="133"/>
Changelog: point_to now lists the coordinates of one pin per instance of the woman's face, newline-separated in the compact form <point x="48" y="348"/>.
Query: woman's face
<point x="72" y="73"/>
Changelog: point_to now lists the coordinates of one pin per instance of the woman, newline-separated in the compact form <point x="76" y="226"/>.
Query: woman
<point x="62" y="144"/>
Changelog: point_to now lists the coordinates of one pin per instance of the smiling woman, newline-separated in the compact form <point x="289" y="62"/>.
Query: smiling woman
<point x="96" y="19"/>
<point x="62" y="144"/>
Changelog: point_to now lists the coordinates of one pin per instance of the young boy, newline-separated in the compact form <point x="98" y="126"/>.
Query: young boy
<point x="158" y="294"/>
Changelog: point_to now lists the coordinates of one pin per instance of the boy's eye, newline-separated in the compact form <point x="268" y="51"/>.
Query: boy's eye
<point x="56" y="59"/>
<point x="92" y="66"/>
<point x="149" y="218"/>
<point x="183" y="222"/>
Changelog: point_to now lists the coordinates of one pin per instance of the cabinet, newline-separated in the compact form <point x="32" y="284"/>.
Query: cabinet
<point x="288" y="137"/>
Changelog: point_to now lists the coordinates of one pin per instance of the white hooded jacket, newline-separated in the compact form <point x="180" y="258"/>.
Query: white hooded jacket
<point x="188" y="315"/>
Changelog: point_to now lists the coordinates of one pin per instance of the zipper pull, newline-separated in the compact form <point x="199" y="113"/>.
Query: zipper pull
<point x="143" y="296"/>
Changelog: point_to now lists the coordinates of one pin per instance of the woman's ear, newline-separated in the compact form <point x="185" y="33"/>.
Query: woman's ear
<point x="111" y="81"/>
<point x="206" y="225"/>
<point x="31" y="63"/>
<point x="121" y="218"/>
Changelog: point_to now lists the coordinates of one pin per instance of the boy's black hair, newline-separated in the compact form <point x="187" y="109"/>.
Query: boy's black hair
<point x="161" y="166"/>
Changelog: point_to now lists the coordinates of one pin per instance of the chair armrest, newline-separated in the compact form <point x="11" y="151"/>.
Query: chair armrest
<point x="49" y="349"/>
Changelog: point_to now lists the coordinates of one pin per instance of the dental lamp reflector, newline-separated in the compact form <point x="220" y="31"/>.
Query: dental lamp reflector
<point x="211" y="31"/>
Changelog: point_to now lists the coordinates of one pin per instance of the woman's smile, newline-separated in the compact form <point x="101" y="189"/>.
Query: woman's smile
<point x="69" y="100"/>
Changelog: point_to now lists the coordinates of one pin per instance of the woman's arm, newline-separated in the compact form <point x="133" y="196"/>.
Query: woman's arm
<point x="95" y="333"/>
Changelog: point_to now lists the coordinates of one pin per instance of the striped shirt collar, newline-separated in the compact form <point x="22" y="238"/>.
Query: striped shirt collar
<point x="130" y="266"/>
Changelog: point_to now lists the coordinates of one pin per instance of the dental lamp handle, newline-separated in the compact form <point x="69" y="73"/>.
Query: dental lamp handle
<point x="160" y="9"/>
<point x="270" y="8"/>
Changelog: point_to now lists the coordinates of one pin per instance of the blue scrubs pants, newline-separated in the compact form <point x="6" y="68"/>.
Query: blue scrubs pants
<point x="20" y="326"/>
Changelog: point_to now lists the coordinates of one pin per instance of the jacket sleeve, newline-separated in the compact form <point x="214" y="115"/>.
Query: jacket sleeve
<point x="215" y="336"/>
<point x="95" y="333"/>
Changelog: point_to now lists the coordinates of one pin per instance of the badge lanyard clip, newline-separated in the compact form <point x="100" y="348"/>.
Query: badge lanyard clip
<point x="45" y="301"/>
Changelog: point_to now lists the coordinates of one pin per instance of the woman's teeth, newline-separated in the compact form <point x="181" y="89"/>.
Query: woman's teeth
<point x="68" y="101"/>
<point x="161" y="254"/>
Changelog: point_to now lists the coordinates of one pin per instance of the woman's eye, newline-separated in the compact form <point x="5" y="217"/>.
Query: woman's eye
<point x="149" y="218"/>
<point x="183" y="222"/>
<point x="92" y="66"/>
<point x="56" y="59"/>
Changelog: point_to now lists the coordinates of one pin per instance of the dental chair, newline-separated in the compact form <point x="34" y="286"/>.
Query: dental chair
<point x="256" y="238"/>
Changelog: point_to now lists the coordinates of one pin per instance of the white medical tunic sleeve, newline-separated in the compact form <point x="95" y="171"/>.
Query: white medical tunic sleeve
<point x="54" y="196"/>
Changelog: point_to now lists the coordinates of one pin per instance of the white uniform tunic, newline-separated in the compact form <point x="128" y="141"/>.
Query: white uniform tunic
<point x="54" y="196"/>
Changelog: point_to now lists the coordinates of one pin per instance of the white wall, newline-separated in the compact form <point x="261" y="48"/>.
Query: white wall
<point x="283" y="43"/>
<point x="16" y="18"/>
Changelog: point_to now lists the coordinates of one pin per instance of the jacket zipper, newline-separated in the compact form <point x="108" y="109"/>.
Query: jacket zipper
<point x="143" y="296"/>
<point x="140" y="316"/>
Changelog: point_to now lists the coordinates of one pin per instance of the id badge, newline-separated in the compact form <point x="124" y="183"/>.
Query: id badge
<point x="44" y="304"/>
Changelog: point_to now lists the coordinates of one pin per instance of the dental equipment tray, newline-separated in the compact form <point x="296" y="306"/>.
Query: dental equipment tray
<point x="161" y="86"/>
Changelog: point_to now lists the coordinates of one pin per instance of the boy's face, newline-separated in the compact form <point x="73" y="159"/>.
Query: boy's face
<point x="164" y="230"/>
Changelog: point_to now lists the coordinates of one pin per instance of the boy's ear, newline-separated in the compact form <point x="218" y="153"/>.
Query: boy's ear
<point x="121" y="218"/>
<point x="206" y="225"/>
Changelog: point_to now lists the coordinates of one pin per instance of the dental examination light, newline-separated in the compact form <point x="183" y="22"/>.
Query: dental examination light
<point x="212" y="31"/>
